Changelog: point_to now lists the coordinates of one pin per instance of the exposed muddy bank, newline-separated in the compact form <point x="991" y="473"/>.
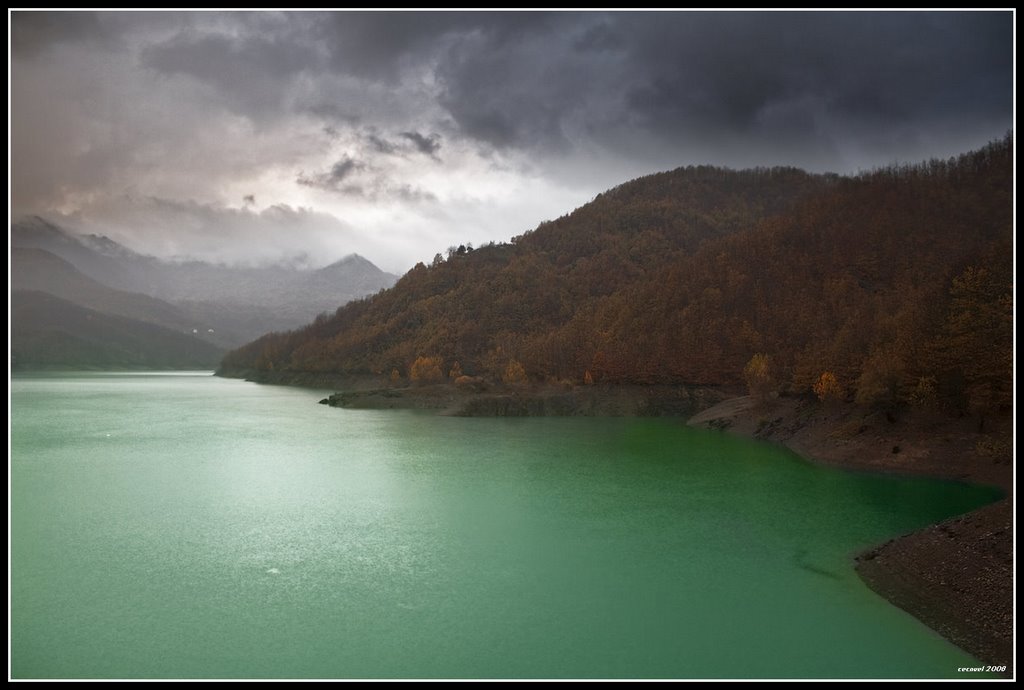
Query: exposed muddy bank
<point x="956" y="576"/>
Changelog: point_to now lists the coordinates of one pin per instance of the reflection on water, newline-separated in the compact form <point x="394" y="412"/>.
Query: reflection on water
<point x="190" y="526"/>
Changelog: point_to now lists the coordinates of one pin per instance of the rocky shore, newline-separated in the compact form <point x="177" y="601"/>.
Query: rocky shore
<point x="956" y="576"/>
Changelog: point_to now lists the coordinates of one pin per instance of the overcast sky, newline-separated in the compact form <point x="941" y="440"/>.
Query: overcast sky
<point x="258" y="136"/>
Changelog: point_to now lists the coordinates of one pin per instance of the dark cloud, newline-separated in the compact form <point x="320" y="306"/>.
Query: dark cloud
<point x="373" y="186"/>
<point x="544" y="81"/>
<point x="408" y="142"/>
<point x="406" y="192"/>
<point x="380" y="189"/>
<point x="600" y="37"/>
<point x="343" y="168"/>
<point x="36" y="31"/>
<point x="377" y="45"/>
<point x="252" y="72"/>
<point x="890" y="68"/>
<point x="427" y="145"/>
<point x="209" y="107"/>
<point x="235" y="62"/>
<point x="685" y="77"/>
<point x="33" y="32"/>
<point x="381" y="145"/>
<point x="336" y="179"/>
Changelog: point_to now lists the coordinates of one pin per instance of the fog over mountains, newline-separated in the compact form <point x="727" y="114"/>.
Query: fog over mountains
<point x="54" y="270"/>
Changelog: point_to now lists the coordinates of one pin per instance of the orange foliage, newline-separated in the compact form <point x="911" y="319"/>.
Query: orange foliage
<point x="514" y="373"/>
<point x="678" y="277"/>
<point x="827" y="387"/>
<point x="426" y="370"/>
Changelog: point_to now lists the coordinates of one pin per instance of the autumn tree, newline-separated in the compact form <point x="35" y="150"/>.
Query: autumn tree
<point x="455" y="372"/>
<point x="880" y="384"/>
<point x="925" y="393"/>
<point x="828" y="388"/>
<point x="426" y="370"/>
<point x="679" y="277"/>
<point x="978" y="339"/>
<point x="759" y="377"/>
<point x="514" y="373"/>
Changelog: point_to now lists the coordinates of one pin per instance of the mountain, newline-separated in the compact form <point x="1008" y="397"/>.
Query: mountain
<point x="39" y="270"/>
<point x="49" y="332"/>
<point x="152" y="311"/>
<point x="295" y="294"/>
<point x="101" y="259"/>
<point x="897" y="283"/>
<point x="284" y="296"/>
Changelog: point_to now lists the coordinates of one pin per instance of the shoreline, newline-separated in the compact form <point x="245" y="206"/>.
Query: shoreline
<point x="534" y="400"/>
<point x="480" y="398"/>
<point x="955" y="576"/>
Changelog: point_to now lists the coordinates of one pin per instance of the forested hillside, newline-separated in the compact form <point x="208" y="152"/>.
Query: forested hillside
<point x="892" y="287"/>
<point x="48" y="332"/>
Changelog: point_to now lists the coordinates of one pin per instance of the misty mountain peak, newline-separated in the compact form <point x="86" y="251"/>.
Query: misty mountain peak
<point x="353" y="263"/>
<point x="35" y="230"/>
<point x="107" y="246"/>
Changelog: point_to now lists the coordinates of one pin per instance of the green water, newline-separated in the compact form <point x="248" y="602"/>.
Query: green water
<point x="188" y="526"/>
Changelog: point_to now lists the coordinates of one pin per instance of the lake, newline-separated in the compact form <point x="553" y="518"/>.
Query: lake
<point x="181" y="525"/>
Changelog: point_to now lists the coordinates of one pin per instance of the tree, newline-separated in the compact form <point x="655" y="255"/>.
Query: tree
<point x="828" y="388"/>
<point x="680" y="277"/>
<point x="514" y="373"/>
<point x="426" y="370"/>
<point x="759" y="377"/>
<point x="925" y="393"/>
<point x="455" y="372"/>
<point x="978" y="338"/>
<point x="880" y="384"/>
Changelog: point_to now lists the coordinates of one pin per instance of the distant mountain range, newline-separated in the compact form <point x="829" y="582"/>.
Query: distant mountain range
<point x="222" y="306"/>
<point x="50" y="332"/>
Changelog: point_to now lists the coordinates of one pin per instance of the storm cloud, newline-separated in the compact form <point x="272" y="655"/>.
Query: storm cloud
<point x="333" y="179"/>
<point x="427" y="145"/>
<point x="440" y="128"/>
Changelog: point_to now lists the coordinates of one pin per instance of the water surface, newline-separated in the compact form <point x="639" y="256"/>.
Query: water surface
<point x="185" y="526"/>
